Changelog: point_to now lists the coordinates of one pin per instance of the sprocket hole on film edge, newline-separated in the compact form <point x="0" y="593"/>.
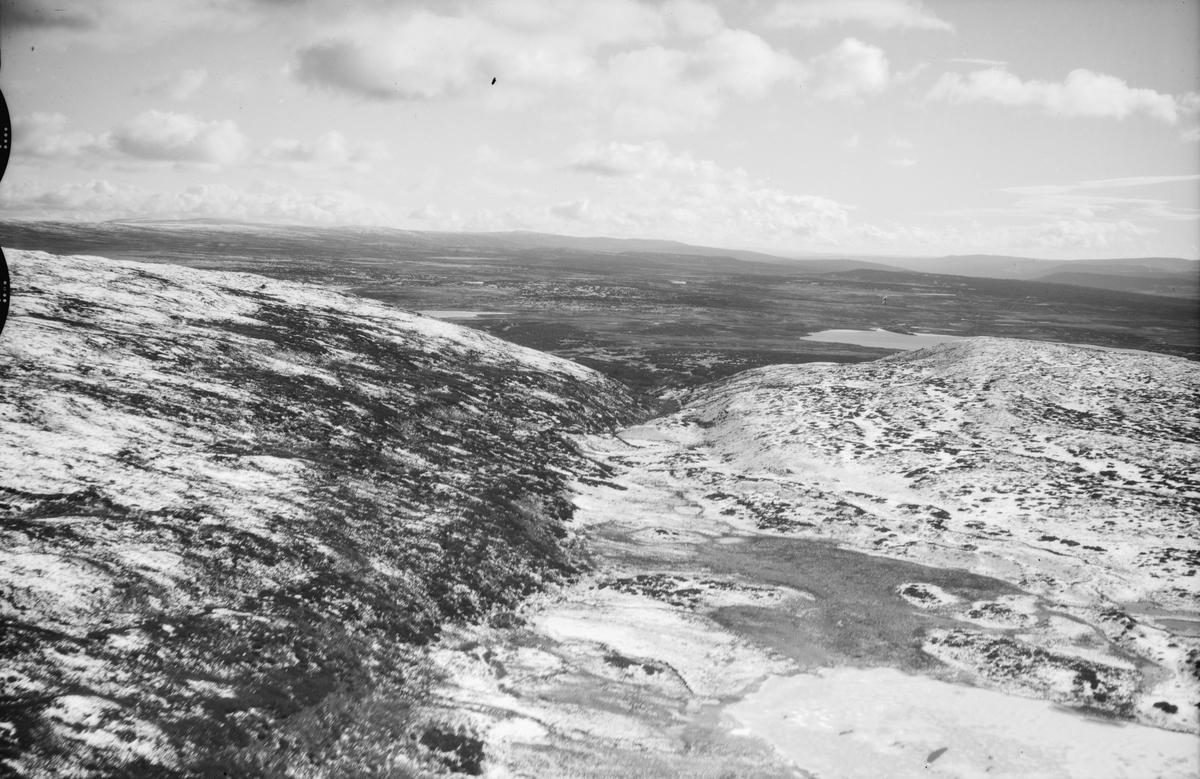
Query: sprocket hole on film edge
<point x="5" y="148"/>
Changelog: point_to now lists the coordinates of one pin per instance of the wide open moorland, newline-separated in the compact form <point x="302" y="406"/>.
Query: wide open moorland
<point x="653" y="320"/>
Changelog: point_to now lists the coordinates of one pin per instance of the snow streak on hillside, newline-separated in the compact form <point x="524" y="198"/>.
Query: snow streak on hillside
<point x="234" y="510"/>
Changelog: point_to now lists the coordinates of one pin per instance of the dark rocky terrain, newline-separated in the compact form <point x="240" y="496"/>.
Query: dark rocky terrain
<point x="235" y="511"/>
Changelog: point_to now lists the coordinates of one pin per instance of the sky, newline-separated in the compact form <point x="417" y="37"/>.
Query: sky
<point x="1040" y="128"/>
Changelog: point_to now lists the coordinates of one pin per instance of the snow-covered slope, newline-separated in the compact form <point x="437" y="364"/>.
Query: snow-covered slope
<point x="1070" y="470"/>
<point x="232" y="510"/>
<point x="1071" y="473"/>
<point x="976" y="559"/>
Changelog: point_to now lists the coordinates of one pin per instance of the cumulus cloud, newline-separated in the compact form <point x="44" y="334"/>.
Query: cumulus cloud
<point x="172" y="137"/>
<point x="644" y="160"/>
<point x="155" y="136"/>
<point x="125" y="22"/>
<point x="850" y="71"/>
<point x="45" y="136"/>
<point x="904" y="162"/>
<point x="330" y="152"/>
<point x="1086" y="234"/>
<point x="179" y="86"/>
<point x="658" y="89"/>
<point x="425" y="55"/>
<point x="1080" y="199"/>
<point x="1087" y="200"/>
<point x="884" y="14"/>
<point x="977" y="61"/>
<point x="644" y="67"/>
<point x="649" y="189"/>
<point x="1066" y="237"/>
<point x="266" y="202"/>
<point x="1083" y="93"/>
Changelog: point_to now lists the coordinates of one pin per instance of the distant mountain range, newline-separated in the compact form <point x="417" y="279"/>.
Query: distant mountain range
<point x="1167" y="276"/>
<point x="1172" y="276"/>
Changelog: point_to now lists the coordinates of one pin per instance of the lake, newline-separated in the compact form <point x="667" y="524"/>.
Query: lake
<point x="882" y="339"/>
<point x="459" y="314"/>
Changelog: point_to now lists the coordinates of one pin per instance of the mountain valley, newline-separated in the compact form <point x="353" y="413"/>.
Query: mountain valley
<point x="261" y="518"/>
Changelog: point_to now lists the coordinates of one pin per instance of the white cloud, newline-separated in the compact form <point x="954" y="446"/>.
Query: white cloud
<point x="849" y="71"/>
<point x="1083" y="93"/>
<point x="329" y="153"/>
<point x="151" y="136"/>
<point x="45" y="136"/>
<point x="644" y="160"/>
<point x="692" y="18"/>
<point x="899" y="143"/>
<point x="904" y="162"/>
<point x="1191" y="136"/>
<point x="172" y="137"/>
<point x="649" y="190"/>
<point x="156" y="137"/>
<point x="977" y="61"/>
<point x="576" y="210"/>
<point x="657" y="89"/>
<point x="852" y="141"/>
<point x="884" y="14"/>
<point x="121" y="23"/>
<point x="1065" y="238"/>
<point x="267" y="202"/>
<point x="1056" y="202"/>
<point x="644" y="68"/>
<point x="1085" y="234"/>
<point x="1125" y="181"/>
<point x="177" y="87"/>
<point x="421" y="54"/>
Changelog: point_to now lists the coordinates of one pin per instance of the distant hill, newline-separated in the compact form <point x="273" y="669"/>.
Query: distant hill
<point x="521" y="238"/>
<point x="1154" y="275"/>
<point x="137" y="238"/>
<point x="1002" y="267"/>
<point x="1169" y="284"/>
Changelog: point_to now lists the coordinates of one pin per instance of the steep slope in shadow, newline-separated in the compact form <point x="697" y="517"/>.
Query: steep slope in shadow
<point x="235" y="510"/>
